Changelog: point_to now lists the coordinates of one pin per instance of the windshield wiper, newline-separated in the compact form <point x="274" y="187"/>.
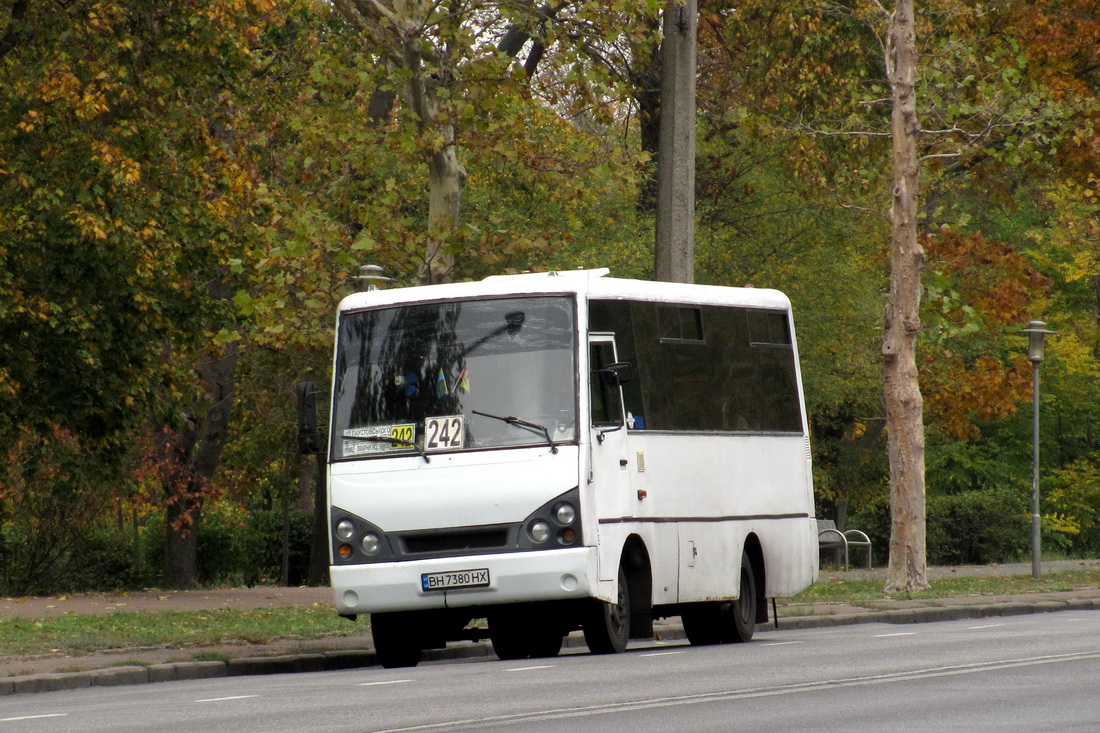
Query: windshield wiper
<point x="523" y="424"/>
<point x="389" y="439"/>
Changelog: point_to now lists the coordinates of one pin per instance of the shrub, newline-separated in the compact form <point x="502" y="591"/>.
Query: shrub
<point x="248" y="549"/>
<point x="967" y="528"/>
<point x="976" y="527"/>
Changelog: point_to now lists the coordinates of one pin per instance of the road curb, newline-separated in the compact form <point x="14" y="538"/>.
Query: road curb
<point x="938" y="613"/>
<point x="356" y="658"/>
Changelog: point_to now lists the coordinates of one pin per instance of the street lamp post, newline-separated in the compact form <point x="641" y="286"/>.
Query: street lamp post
<point x="1036" y="343"/>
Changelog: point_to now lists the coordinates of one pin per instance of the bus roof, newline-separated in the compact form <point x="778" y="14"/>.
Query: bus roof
<point x="592" y="284"/>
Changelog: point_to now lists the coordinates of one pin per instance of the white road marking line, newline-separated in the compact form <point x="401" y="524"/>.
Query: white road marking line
<point x="33" y="717"/>
<point x="384" y="682"/>
<point x="223" y="699"/>
<point x="527" y="669"/>
<point x="986" y="626"/>
<point x="900" y="633"/>
<point x="659" y="654"/>
<point x="781" y="643"/>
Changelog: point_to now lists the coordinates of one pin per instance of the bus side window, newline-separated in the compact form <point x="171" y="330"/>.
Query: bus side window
<point x="607" y="406"/>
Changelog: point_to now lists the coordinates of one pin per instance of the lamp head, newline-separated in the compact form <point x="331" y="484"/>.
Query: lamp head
<point x="1036" y="340"/>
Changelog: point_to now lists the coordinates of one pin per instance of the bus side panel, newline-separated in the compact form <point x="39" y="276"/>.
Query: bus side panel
<point x="715" y="490"/>
<point x="660" y="542"/>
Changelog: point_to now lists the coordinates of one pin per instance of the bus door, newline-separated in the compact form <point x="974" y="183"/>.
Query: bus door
<point x="608" y="465"/>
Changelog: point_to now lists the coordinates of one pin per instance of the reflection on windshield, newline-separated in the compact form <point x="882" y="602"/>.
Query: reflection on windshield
<point x="421" y="374"/>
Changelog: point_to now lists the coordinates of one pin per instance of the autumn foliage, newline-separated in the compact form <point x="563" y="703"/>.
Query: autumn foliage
<point x="186" y="183"/>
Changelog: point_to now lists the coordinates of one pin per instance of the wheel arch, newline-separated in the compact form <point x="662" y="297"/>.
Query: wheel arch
<point x="755" y="551"/>
<point x="636" y="564"/>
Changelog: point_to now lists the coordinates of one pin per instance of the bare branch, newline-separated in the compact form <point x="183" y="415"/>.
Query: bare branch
<point x="934" y="156"/>
<point x="379" y="11"/>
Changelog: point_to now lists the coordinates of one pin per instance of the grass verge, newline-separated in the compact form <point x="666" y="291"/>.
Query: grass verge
<point x="73" y="634"/>
<point x="839" y="590"/>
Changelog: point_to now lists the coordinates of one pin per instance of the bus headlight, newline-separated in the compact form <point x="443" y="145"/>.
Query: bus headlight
<point x="539" y="532"/>
<point x="345" y="529"/>
<point x="565" y="514"/>
<point x="371" y="544"/>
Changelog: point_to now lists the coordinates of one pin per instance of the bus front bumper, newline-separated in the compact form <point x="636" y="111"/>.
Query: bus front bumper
<point x="516" y="577"/>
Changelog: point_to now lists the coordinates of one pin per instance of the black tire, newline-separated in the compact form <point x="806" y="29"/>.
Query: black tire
<point x="518" y="636"/>
<point x="546" y="644"/>
<point x="607" y="625"/>
<point x="395" y="642"/>
<point x="508" y="638"/>
<point x="703" y="623"/>
<point x="741" y="613"/>
<point x="725" y="621"/>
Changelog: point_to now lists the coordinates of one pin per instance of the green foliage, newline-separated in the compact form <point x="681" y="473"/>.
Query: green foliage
<point x="119" y="195"/>
<point x="1072" y="505"/>
<point x="967" y="528"/>
<point x="248" y="550"/>
<point x="976" y="527"/>
<point x="53" y="500"/>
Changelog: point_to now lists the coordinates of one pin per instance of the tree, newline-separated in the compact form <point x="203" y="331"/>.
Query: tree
<point x="124" y="196"/>
<point x="901" y="321"/>
<point x="423" y="43"/>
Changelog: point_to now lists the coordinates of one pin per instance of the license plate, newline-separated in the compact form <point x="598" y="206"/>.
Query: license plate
<point x="455" y="579"/>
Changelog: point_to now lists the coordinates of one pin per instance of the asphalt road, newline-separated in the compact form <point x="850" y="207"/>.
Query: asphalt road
<point x="1033" y="672"/>
<point x="54" y="672"/>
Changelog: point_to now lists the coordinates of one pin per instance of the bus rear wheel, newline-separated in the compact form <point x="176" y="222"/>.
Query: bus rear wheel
<point x="725" y="621"/>
<point x="607" y="625"/>
<point x="741" y="614"/>
<point x="396" y="643"/>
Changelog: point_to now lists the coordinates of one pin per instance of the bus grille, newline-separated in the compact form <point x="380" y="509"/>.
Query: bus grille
<point x="482" y="539"/>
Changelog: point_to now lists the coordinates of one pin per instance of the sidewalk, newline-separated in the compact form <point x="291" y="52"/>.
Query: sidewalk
<point x="141" y="665"/>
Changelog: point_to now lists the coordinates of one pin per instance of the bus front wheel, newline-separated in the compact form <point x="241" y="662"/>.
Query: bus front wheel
<point x="519" y="636"/>
<point x="607" y="626"/>
<point x="396" y="643"/>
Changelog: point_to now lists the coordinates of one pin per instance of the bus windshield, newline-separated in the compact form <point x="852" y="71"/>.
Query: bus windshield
<point x="455" y="375"/>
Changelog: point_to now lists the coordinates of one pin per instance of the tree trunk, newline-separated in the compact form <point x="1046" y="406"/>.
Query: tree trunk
<point x="446" y="179"/>
<point x="904" y="404"/>
<point x="191" y="457"/>
<point x="319" y="547"/>
<point x="674" y="254"/>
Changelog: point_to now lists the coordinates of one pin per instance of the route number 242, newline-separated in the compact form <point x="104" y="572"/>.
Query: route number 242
<point x="444" y="433"/>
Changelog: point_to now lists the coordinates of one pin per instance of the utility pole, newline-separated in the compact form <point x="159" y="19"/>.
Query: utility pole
<point x="674" y="253"/>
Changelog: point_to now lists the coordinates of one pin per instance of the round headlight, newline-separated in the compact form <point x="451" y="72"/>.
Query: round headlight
<point x="565" y="513"/>
<point x="371" y="544"/>
<point x="345" y="529"/>
<point x="539" y="532"/>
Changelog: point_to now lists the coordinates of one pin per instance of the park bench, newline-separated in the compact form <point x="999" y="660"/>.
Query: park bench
<point x="831" y="538"/>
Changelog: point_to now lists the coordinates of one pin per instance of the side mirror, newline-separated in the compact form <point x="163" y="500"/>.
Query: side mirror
<point x="309" y="439"/>
<point x="621" y="372"/>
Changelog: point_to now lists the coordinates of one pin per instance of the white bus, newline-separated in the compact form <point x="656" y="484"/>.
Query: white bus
<point x="530" y="455"/>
